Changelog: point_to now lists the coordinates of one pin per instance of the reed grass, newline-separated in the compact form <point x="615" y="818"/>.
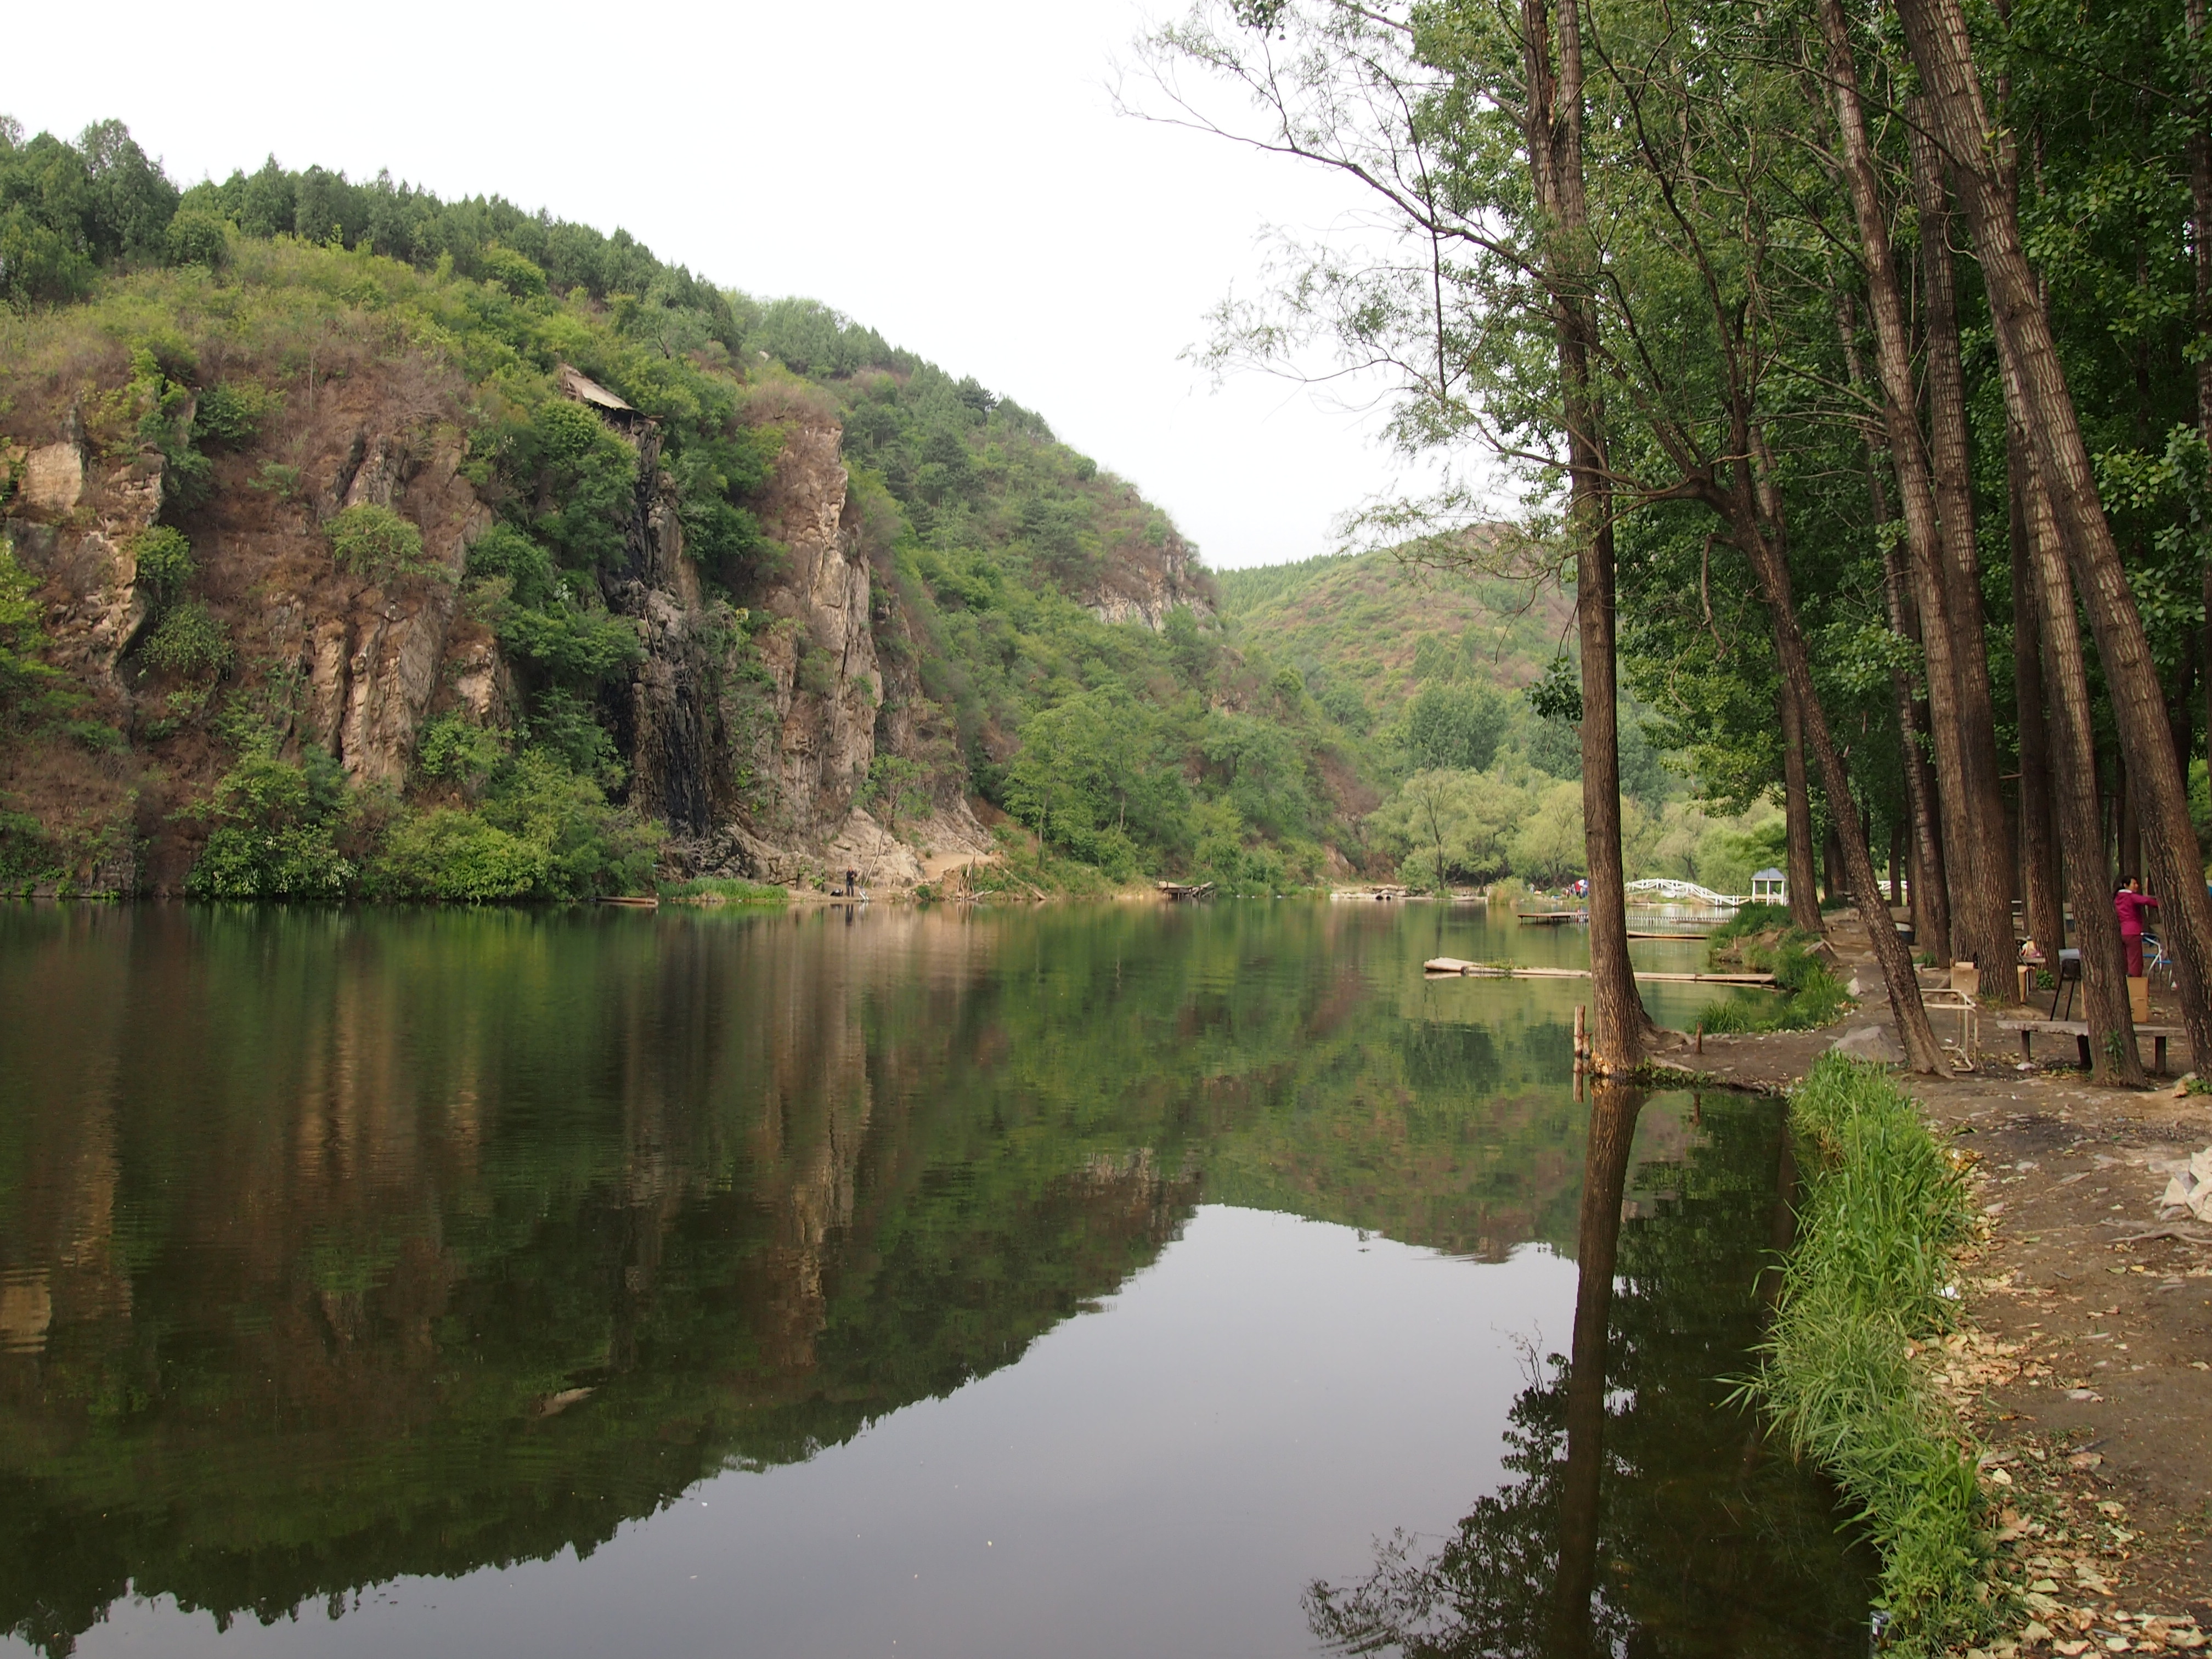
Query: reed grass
<point x="1869" y="1284"/>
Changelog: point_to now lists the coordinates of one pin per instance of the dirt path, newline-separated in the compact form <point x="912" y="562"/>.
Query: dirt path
<point x="2085" y="1361"/>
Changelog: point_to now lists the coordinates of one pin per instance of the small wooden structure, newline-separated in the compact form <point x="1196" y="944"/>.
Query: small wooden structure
<point x="1180" y="889"/>
<point x="1551" y="917"/>
<point x="2079" y="1031"/>
<point x="1770" y="886"/>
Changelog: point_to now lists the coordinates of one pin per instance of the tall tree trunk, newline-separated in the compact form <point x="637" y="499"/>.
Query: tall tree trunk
<point x="1896" y="862"/>
<point x="1797" y="819"/>
<point x="1931" y="909"/>
<point x="2074" y="771"/>
<point x="1553" y="133"/>
<point x="1975" y="930"/>
<point x="2039" y="400"/>
<point x="2039" y="829"/>
<point x="1613" y="1110"/>
<point x="1951" y="463"/>
<point x="1752" y="509"/>
<point x="2200" y="198"/>
<point x="1832" y="865"/>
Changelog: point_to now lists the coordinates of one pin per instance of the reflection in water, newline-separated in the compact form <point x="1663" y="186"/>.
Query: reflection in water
<point x="1646" y="1518"/>
<point x="341" y="1247"/>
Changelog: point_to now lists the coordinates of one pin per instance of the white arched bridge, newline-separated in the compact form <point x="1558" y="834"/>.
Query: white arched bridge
<point x="1680" y="892"/>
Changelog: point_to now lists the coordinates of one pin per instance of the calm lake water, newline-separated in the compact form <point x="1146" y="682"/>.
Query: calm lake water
<point x="1107" y="1280"/>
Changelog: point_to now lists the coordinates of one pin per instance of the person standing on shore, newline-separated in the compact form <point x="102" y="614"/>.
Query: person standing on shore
<point x="2131" y="901"/>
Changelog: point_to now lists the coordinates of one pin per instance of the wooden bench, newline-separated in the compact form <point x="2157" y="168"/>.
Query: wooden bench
<point x="2079" y="1031"/>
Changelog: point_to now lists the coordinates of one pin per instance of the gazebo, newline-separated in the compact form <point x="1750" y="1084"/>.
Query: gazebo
<point x="1770" y="887"/>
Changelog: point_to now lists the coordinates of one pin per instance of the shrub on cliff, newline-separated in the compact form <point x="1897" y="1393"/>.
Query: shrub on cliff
<point x="192" y="643"/>
<point x="376" y="542"/>
<point x="276" y="826"/>
<point x="449" y="853"/>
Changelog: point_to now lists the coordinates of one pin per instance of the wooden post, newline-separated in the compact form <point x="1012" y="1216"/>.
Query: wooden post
<point x="1581" y="1042"/>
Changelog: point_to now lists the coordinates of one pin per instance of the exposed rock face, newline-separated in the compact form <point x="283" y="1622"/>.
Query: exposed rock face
<point x="750" y="734"/>
<point x="1147" y="584"/>
<point x="372" y="667"/>
<point x="820" y="649"/>
<point x="73" y="528"/>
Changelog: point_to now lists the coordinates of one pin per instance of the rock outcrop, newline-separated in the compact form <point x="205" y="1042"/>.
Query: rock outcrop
<point x="750" y="734"/>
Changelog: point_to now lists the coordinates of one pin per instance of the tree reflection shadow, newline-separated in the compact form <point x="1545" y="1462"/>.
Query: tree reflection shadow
<point x="1641" y="1514"/>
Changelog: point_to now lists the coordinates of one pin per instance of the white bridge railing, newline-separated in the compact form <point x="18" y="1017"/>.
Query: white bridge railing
<point x="1681" y="891"/>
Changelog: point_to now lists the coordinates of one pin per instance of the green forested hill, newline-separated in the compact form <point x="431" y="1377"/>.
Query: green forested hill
<point x="1367" y="631"/>
<point x="353" y="542"/>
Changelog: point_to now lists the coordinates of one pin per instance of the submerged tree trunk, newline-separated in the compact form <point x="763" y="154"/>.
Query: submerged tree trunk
<point x="2038" y="827"/>
<point x="1553" y="132"/>
<point x="2039" y="400"/>
<point x="2074" y="772"/>
<point x="1973" y="914"/>
<point x="1951" y="465"/>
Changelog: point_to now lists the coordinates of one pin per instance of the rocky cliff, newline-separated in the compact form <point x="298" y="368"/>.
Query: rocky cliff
<point x="749" y="733"/>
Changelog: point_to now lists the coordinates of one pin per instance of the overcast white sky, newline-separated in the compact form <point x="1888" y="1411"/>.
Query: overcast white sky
<point x="953" y="175"/>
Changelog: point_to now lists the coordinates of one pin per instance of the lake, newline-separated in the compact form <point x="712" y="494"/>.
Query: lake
<point x="1104" y="1280"/>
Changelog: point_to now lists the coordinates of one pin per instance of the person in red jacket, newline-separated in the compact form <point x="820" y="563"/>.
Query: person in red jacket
<point x="2131" y="901"/>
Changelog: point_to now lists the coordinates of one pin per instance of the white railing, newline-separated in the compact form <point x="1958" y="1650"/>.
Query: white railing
<point x="1666" y="887"/>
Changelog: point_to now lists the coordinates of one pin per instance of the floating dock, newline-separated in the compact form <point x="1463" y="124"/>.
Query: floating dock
<point x="1551" y="918"/>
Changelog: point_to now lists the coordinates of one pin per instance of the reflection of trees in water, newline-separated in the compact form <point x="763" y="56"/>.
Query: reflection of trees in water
<point x="368" y="1245"/>
<point x="1641" y="1514"/>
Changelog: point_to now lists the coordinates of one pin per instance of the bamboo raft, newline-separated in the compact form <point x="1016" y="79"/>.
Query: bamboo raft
<point x="1442" y="966"/>
<point x="1551" y="917"/>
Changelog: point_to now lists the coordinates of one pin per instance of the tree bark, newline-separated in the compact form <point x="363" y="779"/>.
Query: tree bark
<point x="2200" y="198"/>
<point x="1832" y="865"/>
<point x="1951" y="463"/>
<point x="2038" y="827"/>
<point x="2039" y="400"/>
<point x="1553" y="132"/>
<point x="1931" y="911"/>
<point x="1752" y="510"/>
<point x="1797" y="818"/>
<point x="2074" y="769"/>
<point x="1974" y="915"/>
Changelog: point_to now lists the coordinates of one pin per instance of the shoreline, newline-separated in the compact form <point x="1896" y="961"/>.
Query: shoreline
<point x="2082" y="1364"/>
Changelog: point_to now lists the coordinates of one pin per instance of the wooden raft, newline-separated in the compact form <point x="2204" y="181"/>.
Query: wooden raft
<point x="2079" y="1031"/>
<point x="1551" y="918"/>
<point x="1486" y="971"/>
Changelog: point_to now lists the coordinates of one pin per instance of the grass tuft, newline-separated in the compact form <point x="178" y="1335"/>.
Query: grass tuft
<point x="1869" y="1282"/>
<point x="717" y="889"/>
<point x="1760" y="939"/>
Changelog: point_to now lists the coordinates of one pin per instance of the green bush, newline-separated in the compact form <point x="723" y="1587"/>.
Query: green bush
<point x="454" y="854"/>
<point x="276" y="825"/>
<point x="165" y="564"/>
<point x="232" y="412"/>
<point x="376" y="542"/>
<point x="590" y="848"/>
<point x="197" y="236"/>
<point x="192" y="643"/>
<point x="453" y="749"/>
<point x="298" y="862"/>
<point x="1870" y="1278"/>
